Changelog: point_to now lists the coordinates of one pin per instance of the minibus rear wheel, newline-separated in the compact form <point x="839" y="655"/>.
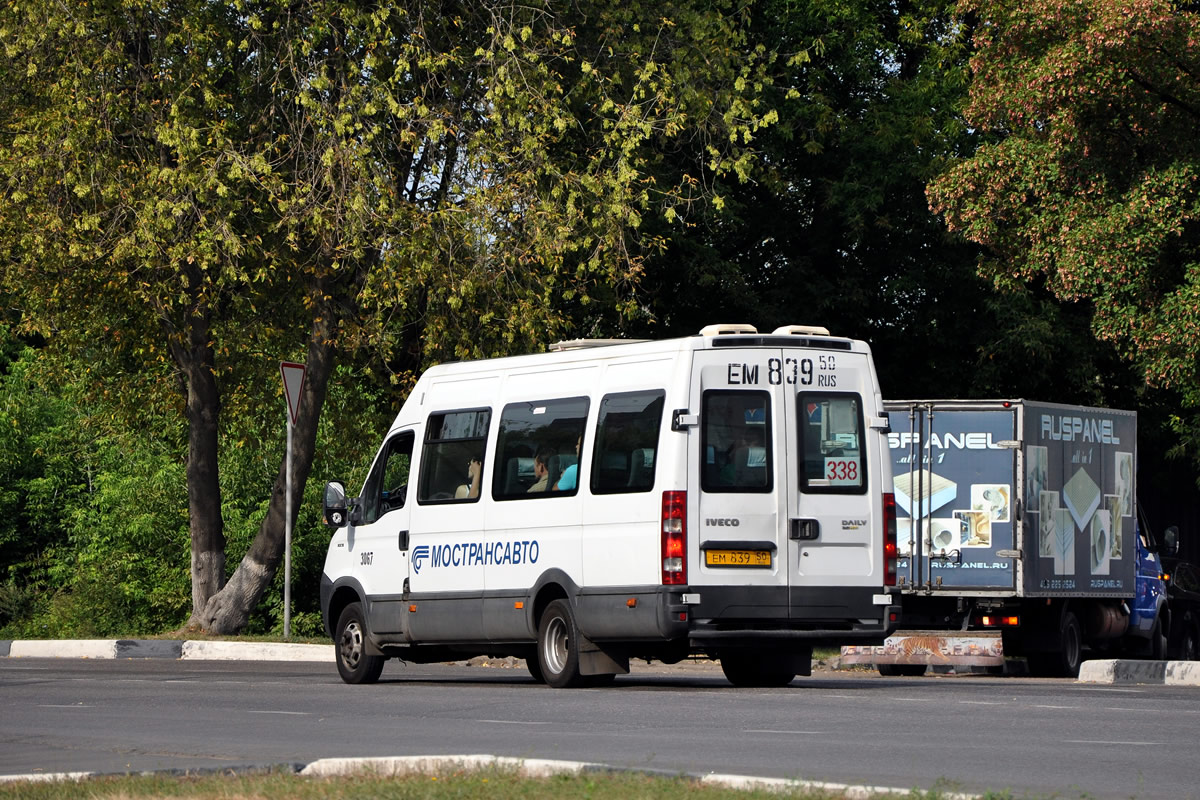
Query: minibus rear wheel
<point x="756" y="670"/>
<point x="558" y="646"/>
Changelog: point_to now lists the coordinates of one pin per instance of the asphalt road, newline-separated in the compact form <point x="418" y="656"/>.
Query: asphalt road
<point x="964" y="733"/>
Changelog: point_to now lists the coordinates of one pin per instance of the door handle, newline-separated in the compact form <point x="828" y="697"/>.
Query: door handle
<point x="805" y="529"/>
<point x="403" y="541"/>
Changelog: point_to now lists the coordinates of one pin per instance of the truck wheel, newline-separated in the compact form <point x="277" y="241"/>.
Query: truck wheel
<point x="535" y="668"/>
<point x="558" y="646"/>
<point x="1158" y="640"/>
<point x="901" y="670"/>
<point x="1063" y="662"/>
<point x="354" y="663"/>
<point x="748" y="669"/>
<point x="1189" y="641"/>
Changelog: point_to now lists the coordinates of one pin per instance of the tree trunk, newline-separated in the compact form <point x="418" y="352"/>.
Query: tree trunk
<point x="195" y="359"/>
<point x="229" y="609"/>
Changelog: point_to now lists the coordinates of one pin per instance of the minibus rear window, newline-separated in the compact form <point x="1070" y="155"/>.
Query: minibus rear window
<point x="736" y="439"/>
<point x="452" y="462"/>
<point x="626" y="452"/>
<point x="831" y="444"/>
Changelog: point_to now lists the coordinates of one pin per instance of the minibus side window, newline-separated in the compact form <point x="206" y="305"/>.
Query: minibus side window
<point x="538" y="449"/>
<point x="736" y="442"/>
<point x="831" y="443"/>
<point x="454" y="441"/>
<point x="626" y="452"/>
<point x="387" y="487"/>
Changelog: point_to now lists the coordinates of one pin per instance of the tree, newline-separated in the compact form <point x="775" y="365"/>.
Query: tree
<point x="1091" y="186"/>
<point x="192" y="190"/>
<point x="834" y="227"/>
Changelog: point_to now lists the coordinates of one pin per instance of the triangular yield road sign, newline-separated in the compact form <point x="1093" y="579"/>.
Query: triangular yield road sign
<point x="293" y="386"/>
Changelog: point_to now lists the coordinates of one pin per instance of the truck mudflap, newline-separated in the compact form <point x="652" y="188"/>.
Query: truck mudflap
<point x="931" y="648"/>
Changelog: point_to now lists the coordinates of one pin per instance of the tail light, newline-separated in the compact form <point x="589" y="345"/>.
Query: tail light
<point x="889" y="539"/>
<point x="674" y="538"/>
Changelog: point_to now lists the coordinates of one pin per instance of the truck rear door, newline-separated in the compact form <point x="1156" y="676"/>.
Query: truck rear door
<point x="954" y="471"/>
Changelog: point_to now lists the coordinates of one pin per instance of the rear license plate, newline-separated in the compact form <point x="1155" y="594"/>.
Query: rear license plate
<point x="737" y="558"/>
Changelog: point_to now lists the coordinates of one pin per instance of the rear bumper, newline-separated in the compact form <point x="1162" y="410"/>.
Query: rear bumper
<point x="738" y="616"/>
<point x="731" y="616"/>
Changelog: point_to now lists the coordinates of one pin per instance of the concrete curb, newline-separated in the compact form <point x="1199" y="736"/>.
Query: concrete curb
<point x="197" y="650"/>
<point x="256" y="651"/>
<point x="1129" y="672"/>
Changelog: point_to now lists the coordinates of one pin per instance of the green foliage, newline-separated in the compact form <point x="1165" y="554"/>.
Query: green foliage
<point x="1092" y="184"/>
<point x="93" y="536"/>
<point x="834" y="229"/>
<point x="93" y="528"/>
<point x="228" y="182"/>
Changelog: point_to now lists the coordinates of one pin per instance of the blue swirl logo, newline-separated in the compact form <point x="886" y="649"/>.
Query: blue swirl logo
<point x="419" y="554"/>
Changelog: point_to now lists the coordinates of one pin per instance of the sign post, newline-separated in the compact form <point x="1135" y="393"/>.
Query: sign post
<point x="293" y="388"/>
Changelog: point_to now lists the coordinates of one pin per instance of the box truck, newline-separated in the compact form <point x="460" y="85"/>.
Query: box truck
<point x="1019" y="536"/>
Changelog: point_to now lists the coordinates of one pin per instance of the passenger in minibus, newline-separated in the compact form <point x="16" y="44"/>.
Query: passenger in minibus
<point x="541" y="468"/>
<point x="570" y="475"/>
<point x="470" y="490"/>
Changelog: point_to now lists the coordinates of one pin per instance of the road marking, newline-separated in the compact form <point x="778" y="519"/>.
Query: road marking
<point x="288" y="713"/>
<point x="796" y="733"/>
<point x="1122" y="744"/>
<point x="512" y="722"/>
<point x="1066" y="708"/>
<point x="71" y="705"/>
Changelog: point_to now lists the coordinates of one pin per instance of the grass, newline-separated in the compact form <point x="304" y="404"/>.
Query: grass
<point x="487" y="784"/>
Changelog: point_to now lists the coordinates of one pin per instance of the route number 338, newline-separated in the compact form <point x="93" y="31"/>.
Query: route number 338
<point x="842" y="470"/>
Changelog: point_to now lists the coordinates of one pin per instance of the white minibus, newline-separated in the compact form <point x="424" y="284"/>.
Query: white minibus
<point x="725" y="495"/>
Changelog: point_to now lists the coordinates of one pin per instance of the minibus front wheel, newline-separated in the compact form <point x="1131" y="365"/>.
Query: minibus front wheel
<point x="354" y="663"/>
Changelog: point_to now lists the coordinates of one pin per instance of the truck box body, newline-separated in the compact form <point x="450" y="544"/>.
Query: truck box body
<point x="991" y="480"/>
<point x="1016" y="527"/>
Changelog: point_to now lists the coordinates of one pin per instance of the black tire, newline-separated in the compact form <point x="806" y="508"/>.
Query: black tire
<point x="1158" y="640"/>
<point x="354" y="663"/>
<point x="756" y="670"/>
<point x="558" y="646"/>
<point x="901" y="670"/>
<point x="1189" y="638"/>
<point x="1063" y="662"/>
<point x="535" y="668"/>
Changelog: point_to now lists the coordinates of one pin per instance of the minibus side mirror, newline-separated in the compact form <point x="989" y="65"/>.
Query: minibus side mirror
<point x="334" y="504"/>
